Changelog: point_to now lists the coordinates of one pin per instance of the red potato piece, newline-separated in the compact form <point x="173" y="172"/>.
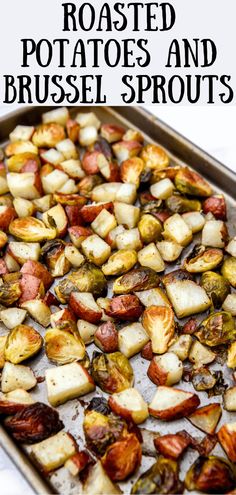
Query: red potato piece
<point x="78" y="462"/>
<point x="3" y="267"/>
<point x="56" y="217"/>
<point x="112" y="132"/>
<point x="63" y="319"/>
<point x="126" y="149"/>
<point x="36" y="269"/>
<point x="90" y="212"/>
<point x="206" y="418"/>
<point x="114" y="172"/>
<point x="166" y="369"/>
<point x="106" y="337"/>
<point x="227" y="439"/>
<point x="216" y="205"/>
<point x="7" y="214"/>
<point x="126" y="307"/>
<point x="72" y="129"/>
<point x="171" y="403"/>
<point x="122" y="458"/>
<point x="90" y="162"/>
<point x="190" y="326"/>
<point x="78" y="234"/>
<point x="147" y="352"/>
<point x="74" y="216"/>
<point x="172" y="445"/>
<point x="129" y="404"/>
<point x="31" y="288"/>
<point x="85" y="307"/>
<point x="31" y="166"/>
<point x="50" y="300"/>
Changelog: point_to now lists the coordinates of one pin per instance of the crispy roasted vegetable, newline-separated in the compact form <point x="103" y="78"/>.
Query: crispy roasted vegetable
<point x="63" y="347"/>
<point x="138" y="279"/>
<point x="172" y="445"/>
<point x="166" y="369"/>
<point x="203" y="378"/>
<point x="67" y="382"/>
<point x="132" y="339"/>
<point x="112" y="132"/>
<point x="177" y="230"/>
<point x="53" y="452"/>
<point x="22" y="343"/>
<point x="10" y="293"/>
<point x="189" y="182"/>
<point x="126" y="307"/>
<point x="120" y="262"/>
<point x="106" y="337"/>
<point x="84" y="306"/>
<point x="48" y="135"/>
<point x="34" y="423"/>
<point x="102" y="430"/>
<point x="131" y="170"/>
<point x="214" y="234"/>
<point x="98" y="481"/>
<point x="230" y="399"/>
<point x="150" y="257"/>
<point x="15" y="401"/>
<point x="150" y="228"/>
<point x="179" y="204"/>
<point x="215" y="205"/>
<point x="30" y="229"/>
<point x="31" y="288"/>
<point x="216" y="329"/>
<point x="210" y="475"/>
<point x="187" y="297"/>
<point x="95" y="249"/>
<point x="161" y="477"/>
<point x="112" y="372"/>
<point x="88" y="278"/>
<point x="23" y="251"/>
<point x="169" y="250"/>
<point x="181" y="346"/>
<point x="129" y="404"/>
<point x="202" y="259"/>
<point x="16" y="376"/>
<point x="57" y="115"/>
<point x="229" y="270"/>
<point x="216" y="286"/>
<point x="123" y="457"/>
<point x="200" y="355"/>
<point x="229" y="304"/>
<point x="171" y="403"/>
<point x="3" y="339"/>
<point x="226" y="436"/>
<point x="158" y="321"/>
<point x="206" y="418"/>
<point x="195" y="220"/>
<point x="38" y="310"/>
<point x="154" y="157"/>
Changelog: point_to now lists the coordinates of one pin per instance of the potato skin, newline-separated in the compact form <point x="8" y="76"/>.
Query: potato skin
<point x="39" y="271"/>
<point x="82" y="311"/>
<point x="90" y="212"/>
<point x="185" y="408"/>
<point x="106" y="337"/>
<point x="217" y="206"/>
<point x="122" y="458"/>
<point x="126" y="307"/>
<point x="6" y="218"/>
<point x="172" y="445"/>
<point x="34" y="423"/>
<point x="156" y="373"/>
<point x="147" y="352"/>
<point x="31" y="288"/>
<point x="227" y="440"/>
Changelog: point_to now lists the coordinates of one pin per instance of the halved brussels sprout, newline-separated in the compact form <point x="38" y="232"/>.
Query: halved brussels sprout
<point x="30" y="229"/>
<point x="202" y="259"/>
<point x="22" y="343"/>
<point x="102" y="430"/>
<point x="154" y="157"/>
<point x="189" y="182"/>
<point x="48" y="135"/>
<point x="217" y="329"/>
<point x="216" y="286"/>
<point x="120" y="262"/>
<point x="210" y="475"/>
<point x="150" y="228"/>
<point x="161" y="477"/>
<point x="158" y="321"/>
<point x="180" y="204"/>
<point x="10" y="293"/>
<point x="89" y="278"/>
<point x="62" y="347"/>
<point x="112" y="372"/>
<point x="229" y="270"/>
<point x="136" y="280"/>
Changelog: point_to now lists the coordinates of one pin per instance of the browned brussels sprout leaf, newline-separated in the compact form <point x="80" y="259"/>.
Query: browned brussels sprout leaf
<point x="180" y="204"/>
<point x="22" y="343"/>
<point x="89" y="278"/>
<point x="101" y="430"/>
<point x="112" y="372"/>
<point x="216" y="329"/>
<point x="162" y="477"/>
<point x="136" y="280"/>
<point x="189" y="182"/>
<point x="216" y="286"/>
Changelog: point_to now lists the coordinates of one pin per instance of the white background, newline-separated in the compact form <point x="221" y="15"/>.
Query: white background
<point x="213" y="129"/>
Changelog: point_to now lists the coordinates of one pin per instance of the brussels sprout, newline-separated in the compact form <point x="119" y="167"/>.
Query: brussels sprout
<point x="53" y="254"/>
<point x="48" y="135"/>
<point x="216" y="329"/>
<point x="101" y="430"/>
<point x="189" y="182"/>
<point x="30" y="229"/>
<point x="62" y="347"/>
<point x="180" y="204"/>
<point x="135" y="280"/>
<point x="151" y="206"/>
<point x="210" y="475"/>
<point x="229" y="270"/>
<point x="10" y="293"/>
<point x="22" y="343"/>
<point x="216" y="287"/>
<point x="89" y="278"/>
<point x="161" y="477"/>
<point x="202" y="259"/>
<point x="150" y="228"/>
<point x="120" y="262"/>
<point x="112" y="372"/>
<point x="158" y="321"/>
<point x="154" y="157"/>
<point x="123" y="457"/>
<point x="87" y="184"/>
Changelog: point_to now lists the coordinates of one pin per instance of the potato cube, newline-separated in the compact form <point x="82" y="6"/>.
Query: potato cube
<point x="162" y="189"/>
<point x="150" y="257"/>
<point x="131" y="339"/>
<point x="67" y="382"/>
<point x="54" y="451"/>
<point x="127" y="215"/>
<point x="176" y="229"/>
<point x="104" y="223"/>
<point x="129" y="239"/>
<point x="96" y="249"/>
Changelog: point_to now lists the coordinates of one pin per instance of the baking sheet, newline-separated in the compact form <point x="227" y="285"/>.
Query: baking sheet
<point x="181" y="152"/>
